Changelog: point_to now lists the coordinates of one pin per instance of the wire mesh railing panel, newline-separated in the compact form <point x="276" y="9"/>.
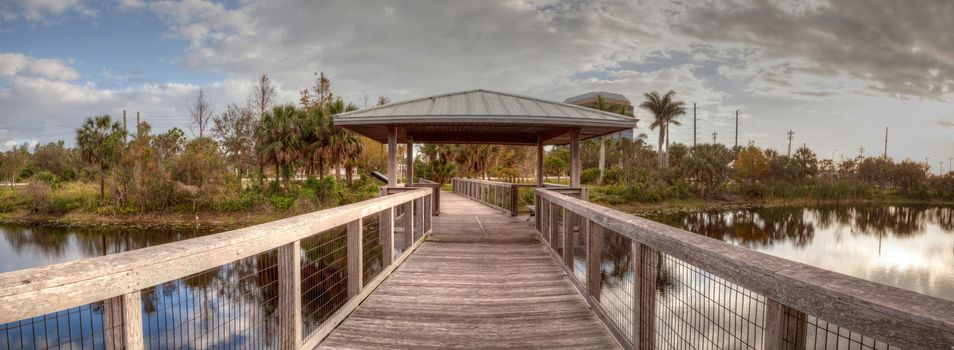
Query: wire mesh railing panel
<point x="400" y="224"/>
<point x="371" y="246"/>
<point x="556" y="229"/>
<point x="418" y="219"/>
<point x="807" y="332"/>
<point x="579" y="246"/>
<point x="428" y="212"/>
<point x="83" y="327"/>
<point x="617" y="276"/>
<point x="324" y="281"/>
<point x="544" y="219"/>
<point x="697" y="310"/>
<point x="232" y="304"/>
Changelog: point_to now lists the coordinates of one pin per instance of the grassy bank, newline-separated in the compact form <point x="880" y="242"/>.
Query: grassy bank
<point x="78" y="203"/>
<point x="617" y="198"/>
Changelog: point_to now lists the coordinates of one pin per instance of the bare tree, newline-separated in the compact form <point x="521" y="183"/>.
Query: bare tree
<point x="263" y="96"/>
<point x="235" y="131"/>
<point x="201" y="113"/>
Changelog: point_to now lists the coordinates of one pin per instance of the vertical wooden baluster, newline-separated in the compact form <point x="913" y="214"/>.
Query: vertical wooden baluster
<point x="122" y="322"/>
<point x="289" y="295"/>
<point x="594" y="260"/>
<point x="644" y="296"/>
<point x="355" y="257"/>
<point x="386" y="235"/>
<point x="113" y="323"/>
<point x="132" y="321"/>
<point x="784" y="326"/>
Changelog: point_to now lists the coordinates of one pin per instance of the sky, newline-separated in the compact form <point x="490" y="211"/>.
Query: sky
<point x="835" y="73"/>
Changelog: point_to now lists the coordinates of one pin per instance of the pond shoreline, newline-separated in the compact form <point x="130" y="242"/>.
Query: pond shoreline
<point x="680" y="207"/>
<point x="213" y="220"/>
<point x="234" y="220"/>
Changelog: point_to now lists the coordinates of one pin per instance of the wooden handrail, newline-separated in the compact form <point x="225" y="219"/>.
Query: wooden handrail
<point x="43" y="290"/>
<point x="893" y="315"/>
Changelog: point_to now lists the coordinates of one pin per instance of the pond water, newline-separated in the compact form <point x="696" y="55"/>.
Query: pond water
<point x="910" y="247"/>
<point x="232" y="306"/>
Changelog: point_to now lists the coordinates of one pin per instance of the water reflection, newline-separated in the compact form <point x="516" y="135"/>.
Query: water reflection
<point x="232" y="306"/>
<point x="910" y="247"/>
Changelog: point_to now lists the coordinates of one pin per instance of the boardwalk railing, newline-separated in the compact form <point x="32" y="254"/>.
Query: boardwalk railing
<point x="656" y="286"/>
<point x="281" y="285"/>
<point x="503" y="196"/>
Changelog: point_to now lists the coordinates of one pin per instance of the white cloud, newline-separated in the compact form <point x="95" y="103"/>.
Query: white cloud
<point x="43" y="11"/>
<point x="17" y="64"/>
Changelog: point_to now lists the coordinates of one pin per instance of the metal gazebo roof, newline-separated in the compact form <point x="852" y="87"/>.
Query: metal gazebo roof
<point x="482" y="116"/>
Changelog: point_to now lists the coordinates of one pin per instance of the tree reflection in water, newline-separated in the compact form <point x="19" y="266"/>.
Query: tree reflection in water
<point x="763" y="227"/>
<point x="233" y="305"/>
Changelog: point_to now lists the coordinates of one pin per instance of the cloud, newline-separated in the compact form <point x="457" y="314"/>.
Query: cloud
<point x="17" y="64"/>
<point x="42" y="11"/>
<point x="411" y="48"/>
<point x="885" y="47"/>
<point x="944" y="123"/>
<point x="43" y="99"/>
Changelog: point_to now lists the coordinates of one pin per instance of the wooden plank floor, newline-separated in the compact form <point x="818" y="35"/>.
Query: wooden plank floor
<point x="482" y="280"/>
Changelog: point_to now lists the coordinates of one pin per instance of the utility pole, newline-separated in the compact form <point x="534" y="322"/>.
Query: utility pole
<point x="861" y="151"/>
<point x="695" y="131"/>
<point x="736" y="129"/>
<point x="791" y="134"/>
<point x="138" y="133"/>
<point x="125" y="131"/>
<point x="714" y="137"/>
<point x="886" y="143"/>
<point x="950" y="160"/>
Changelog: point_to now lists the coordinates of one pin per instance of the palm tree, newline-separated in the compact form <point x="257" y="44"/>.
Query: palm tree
<point x="280" y="140"/>
<point x="341" y="144"/>
<point x="315" y="126"/>
<point x="665" y="110"/>
<point x="99" y="139"/>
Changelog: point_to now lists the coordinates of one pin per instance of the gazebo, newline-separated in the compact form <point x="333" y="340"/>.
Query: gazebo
<point x="483" y="117"/>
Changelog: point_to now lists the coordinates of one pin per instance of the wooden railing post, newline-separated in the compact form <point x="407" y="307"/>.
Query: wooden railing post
<point x="355" y="257"/>
<point x="645" y="265"/>
<point x="289" y="295"/>
<point x="784" y="326"/>
<point x="594" y="260"/>
<point x="132" y="320"/>
<point x="122" y="322"/>
<point x="112" y="323"/>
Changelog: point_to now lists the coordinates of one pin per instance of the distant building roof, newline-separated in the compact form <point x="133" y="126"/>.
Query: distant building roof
<point x="482" y="116"/>
<point x="595" y="94"/>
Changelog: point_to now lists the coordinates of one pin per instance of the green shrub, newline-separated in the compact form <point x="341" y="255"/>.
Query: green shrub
<point x="589" y="175"/>
<point x="281" y="202"/>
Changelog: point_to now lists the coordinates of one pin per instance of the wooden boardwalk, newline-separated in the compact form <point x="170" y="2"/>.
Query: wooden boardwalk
<point x="482" y="280"/>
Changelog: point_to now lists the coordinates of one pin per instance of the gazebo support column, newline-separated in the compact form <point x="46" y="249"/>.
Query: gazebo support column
<point x="575" y="158"/>
<point x="392" y="156"/>
<point x="539" y="161"/>
<point x="410" y="162"/>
